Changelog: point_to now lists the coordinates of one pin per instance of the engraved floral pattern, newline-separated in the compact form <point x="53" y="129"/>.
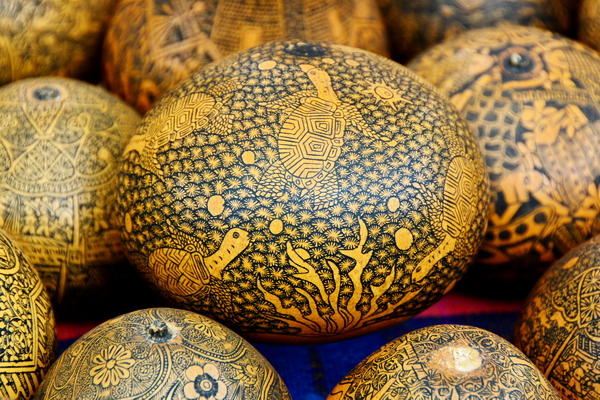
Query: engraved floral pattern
<point x="204" y="383"/>
<point x="113" y="364"/>
<point x="209" y="330"/>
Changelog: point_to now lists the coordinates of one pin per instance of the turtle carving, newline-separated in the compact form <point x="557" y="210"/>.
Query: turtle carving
<point x="178" y="119"/>
<point x="453" y="216"/>
<point x="310" y="141"/>
<point x="184" y="271"/>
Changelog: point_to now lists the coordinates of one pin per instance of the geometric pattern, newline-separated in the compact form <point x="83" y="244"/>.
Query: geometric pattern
<point x="170" y="39"/>
<point x="27" y="326"/>
<point x="452" y="360"/>
<point x="57" y="180"/>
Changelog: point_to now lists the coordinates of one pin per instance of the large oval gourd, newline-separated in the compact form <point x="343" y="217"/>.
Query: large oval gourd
<point x="303" y="191"/>
<point x="445" y="362"/>
<point x="416" y="25"/>
<point x="558" y="327"/>
<point x="52" y="37"/>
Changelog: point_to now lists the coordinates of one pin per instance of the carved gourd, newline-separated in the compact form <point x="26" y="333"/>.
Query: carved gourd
<point x="60" y="142"/>
<point x="416" y="25"/>
<point x="52" y="37"/>
<point x="330" y="193"/>
<point x="445" y="361"/>
<point x="588" y="25"/>
<point x="531" y="98"/>
<point x="162" y="353"/>
<point x="27" y="327"/>
<point x="558" y="324"/>
<point x="150" y="46"/>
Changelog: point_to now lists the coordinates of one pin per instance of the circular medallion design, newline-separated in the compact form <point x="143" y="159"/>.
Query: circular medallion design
<point x="27" y="326"/>
<point x="531" y="98"/>
<point x="445" y="361"/>
<point x="162" y="353"/>
<point x="50" y="37"/>
<point x="59" y="145"/>
<point x="417" y="25"/>
<point x="152" y="45"/>
<point x="306" y="206"/>
<point x="559" y="325"/>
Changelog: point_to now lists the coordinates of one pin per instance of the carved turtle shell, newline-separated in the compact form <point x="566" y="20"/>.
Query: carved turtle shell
<point x="343" y="195"/>
<point x="531" y="96"/>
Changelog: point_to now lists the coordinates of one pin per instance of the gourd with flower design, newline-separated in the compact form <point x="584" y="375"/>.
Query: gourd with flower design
<point x="162" y="353"/>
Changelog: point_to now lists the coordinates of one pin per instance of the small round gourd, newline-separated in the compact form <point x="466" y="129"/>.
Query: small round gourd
<point x="558" y="327"/>
<point x="27" y="325"/>
<point x="303" y="191"/>
<point x="445" y="362"/>
<point x="162" y="353"/>
<point x="60" y="143"/>
<point x="530" y="96"/>
<point x="52" y="37"/>
<point x="416" y="25"/>
<point x="151" y="46"/>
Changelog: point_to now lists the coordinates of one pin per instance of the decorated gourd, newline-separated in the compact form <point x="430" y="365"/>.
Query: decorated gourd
<point x="28" y="344"/>
<point x="558" y="325"/>
<point x="162" y="353"/>
<point x="530" y="96"/>
<point x="150" y="46"/>
<point x="445" y="362"/>
<point x="415" y="25"/>
<point x="303" y="191"/>
<point x="60" y="143"/>
<point x="588" y="25"/>
<point x="52" y="37"/>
